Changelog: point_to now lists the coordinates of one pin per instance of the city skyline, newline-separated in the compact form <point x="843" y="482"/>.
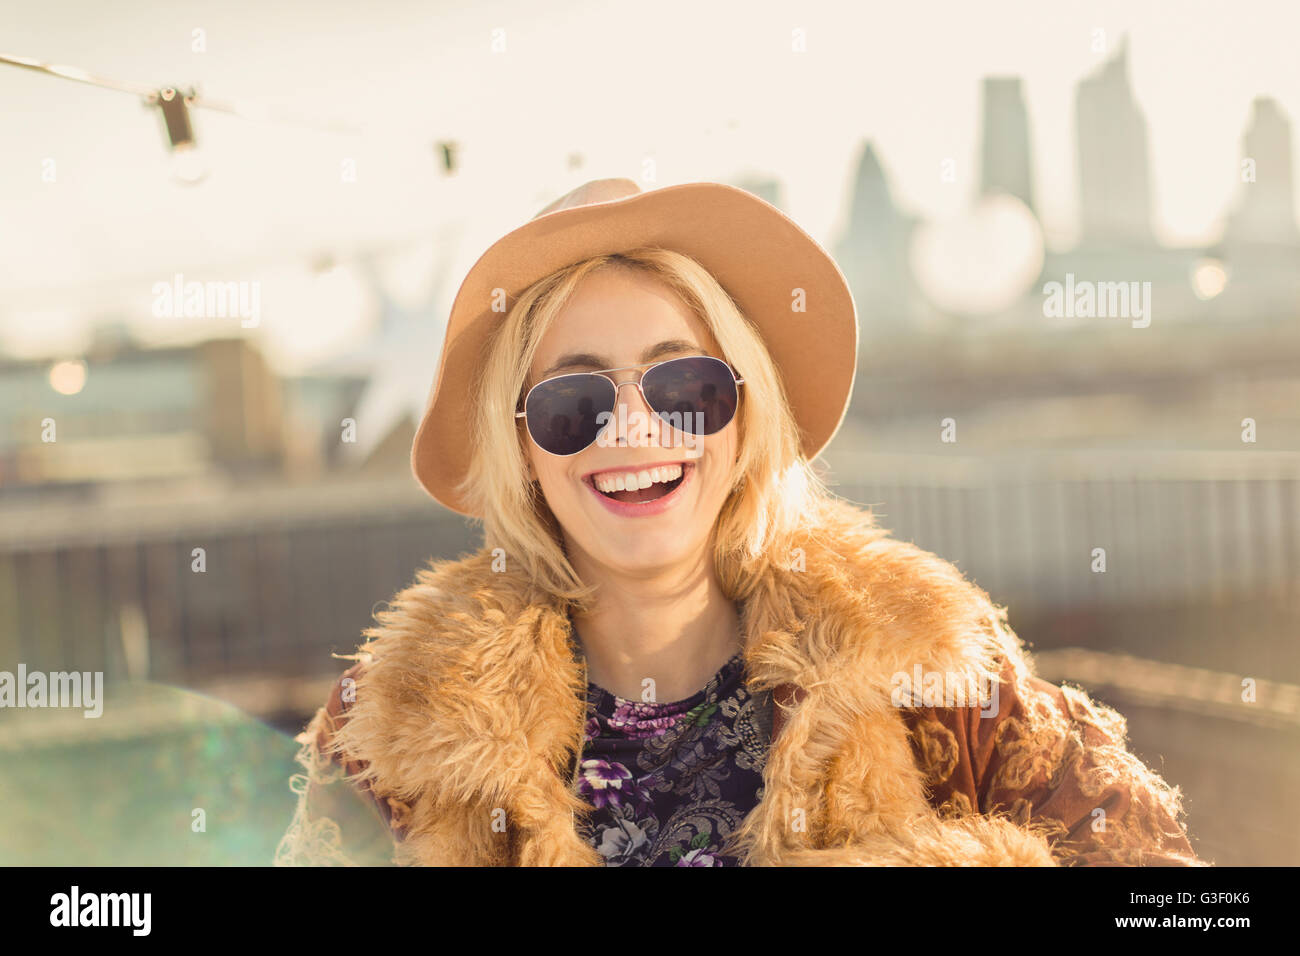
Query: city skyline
<point x="486" y="198"/>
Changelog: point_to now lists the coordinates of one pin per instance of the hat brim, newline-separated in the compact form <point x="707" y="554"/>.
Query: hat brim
<point x="755" y="252"/>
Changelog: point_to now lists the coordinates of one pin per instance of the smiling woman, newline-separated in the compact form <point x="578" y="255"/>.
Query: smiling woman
<point x="675" y="646"/>
<point x="637" y="306"/>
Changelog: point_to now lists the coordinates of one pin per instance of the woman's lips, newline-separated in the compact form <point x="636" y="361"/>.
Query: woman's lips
<point x="644" y="509"/>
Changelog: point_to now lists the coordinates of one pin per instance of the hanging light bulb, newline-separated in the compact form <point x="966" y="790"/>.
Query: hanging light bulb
<point x="448" y="150"/>
<point x="187" y="162"/>
<point x="188" y="166"/>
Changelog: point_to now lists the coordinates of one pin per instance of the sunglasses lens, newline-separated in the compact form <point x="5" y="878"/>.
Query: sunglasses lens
<point x="562" y="413"/>
<point x="695" y="395"/>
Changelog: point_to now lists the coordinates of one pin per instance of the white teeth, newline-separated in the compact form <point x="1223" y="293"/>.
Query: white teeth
<point x="633" y="480"/>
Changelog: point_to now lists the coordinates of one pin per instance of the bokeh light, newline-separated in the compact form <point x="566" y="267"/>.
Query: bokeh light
<point x="68" y="377"/>
<point x="980" y="263"/>
<point x="1209" y="278"/>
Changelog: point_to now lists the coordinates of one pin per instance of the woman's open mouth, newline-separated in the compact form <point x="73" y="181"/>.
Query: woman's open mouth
<point x="640" y="491"/>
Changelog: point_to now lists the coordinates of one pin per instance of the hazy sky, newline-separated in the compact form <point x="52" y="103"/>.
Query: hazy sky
<point x="709" y="90"/>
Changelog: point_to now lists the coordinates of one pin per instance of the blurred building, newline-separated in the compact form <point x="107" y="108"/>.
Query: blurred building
<point x="1006" y="165"/>
<point x="1266" y="213"/>
<point x="874" y="253"/>
<point x="1260" y="249"/>
<point x="191" y="516"/>
<point x="1114" y="160"/>
<point x="124" y="413"/>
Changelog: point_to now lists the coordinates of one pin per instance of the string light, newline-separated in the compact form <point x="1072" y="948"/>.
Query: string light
<point x="187" y="165"/>
<point x="176" y="116"/>
<point x="176" y="107"/>
<point x="448" y="150"/>
<point x="78" y="75"/>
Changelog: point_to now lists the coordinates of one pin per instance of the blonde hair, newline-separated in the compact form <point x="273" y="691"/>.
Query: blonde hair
<point x="774" y="489"/>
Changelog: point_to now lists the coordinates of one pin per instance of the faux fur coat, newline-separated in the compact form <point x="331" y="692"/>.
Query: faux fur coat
<point x="462" y="721"/>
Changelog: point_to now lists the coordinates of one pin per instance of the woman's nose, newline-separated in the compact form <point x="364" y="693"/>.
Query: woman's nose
<point x="637" y="424"/>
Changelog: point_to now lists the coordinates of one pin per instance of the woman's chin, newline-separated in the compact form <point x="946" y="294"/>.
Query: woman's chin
<point x="647" y="552"/>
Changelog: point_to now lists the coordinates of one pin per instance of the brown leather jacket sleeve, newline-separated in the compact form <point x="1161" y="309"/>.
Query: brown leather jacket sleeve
<point x="336" y="715"/>
<point x="339" y="820"/>
<point x="1052" y="758"/>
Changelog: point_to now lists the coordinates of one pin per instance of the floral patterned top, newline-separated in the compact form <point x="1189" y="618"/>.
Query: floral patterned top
<point x="669" y="782"/>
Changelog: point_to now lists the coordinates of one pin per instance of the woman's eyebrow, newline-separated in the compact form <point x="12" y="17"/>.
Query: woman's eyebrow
<point x="589" y="360"/>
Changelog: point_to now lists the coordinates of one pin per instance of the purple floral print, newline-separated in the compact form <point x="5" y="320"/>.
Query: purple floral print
<point x="669" y="782"/>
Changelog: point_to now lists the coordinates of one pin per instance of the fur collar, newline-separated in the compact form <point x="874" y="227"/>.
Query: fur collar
<point x="472" y="706"/>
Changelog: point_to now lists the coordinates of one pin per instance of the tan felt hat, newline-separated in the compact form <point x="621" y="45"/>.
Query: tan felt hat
<point x="754" y="251"/>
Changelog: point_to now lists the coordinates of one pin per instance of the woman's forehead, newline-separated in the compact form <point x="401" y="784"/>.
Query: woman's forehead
<point x="619" y="323"/>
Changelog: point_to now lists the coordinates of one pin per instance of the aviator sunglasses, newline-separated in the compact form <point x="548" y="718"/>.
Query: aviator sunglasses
<point x="696" y="395"/>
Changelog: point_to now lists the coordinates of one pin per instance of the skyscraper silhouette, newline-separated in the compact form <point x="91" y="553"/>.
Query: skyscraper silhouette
<point x="1114" y="161"/>
<point x="1005" y="165"/>
<point x="1266" y="211"/>
<point x="873" y="251"/>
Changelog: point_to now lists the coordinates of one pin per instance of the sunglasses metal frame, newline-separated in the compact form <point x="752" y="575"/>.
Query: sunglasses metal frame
<point x="649" y="367"/>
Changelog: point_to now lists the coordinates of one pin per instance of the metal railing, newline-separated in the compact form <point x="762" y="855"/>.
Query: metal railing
<point x="292" y="572"/>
